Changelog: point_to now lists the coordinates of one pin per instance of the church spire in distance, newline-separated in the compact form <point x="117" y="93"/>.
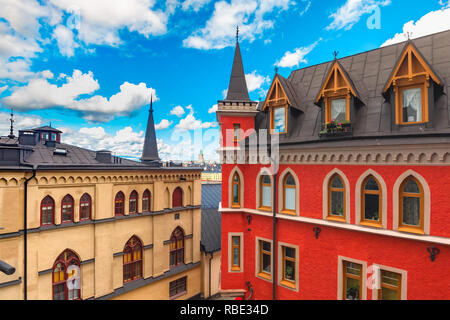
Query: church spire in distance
<point x="150" y="150"/>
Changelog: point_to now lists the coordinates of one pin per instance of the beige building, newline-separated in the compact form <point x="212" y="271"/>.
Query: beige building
<point x="97" y="226"/>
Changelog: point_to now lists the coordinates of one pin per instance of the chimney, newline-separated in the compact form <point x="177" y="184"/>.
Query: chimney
<point x="28" y="137"/>
<point x="103" y="156"/>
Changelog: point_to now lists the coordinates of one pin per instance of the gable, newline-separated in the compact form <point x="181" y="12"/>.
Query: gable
<point x="276" y="96"/>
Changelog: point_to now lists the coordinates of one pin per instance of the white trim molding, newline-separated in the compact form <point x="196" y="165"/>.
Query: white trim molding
<point x="340" y="286"/>
<point x="404" y="282"/>
<point x="230" y="186"/>
<point x="384" y="196"/>
<point x="241" y="253"/>
<point x="326" y="182"/>
<point x="258" y="258"/>
<point x="281" y="191"/>
<point x="426" y="200"/>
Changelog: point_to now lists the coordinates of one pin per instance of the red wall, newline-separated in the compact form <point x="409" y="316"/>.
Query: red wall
<point x="318" y="265"/>
<point x="247" y="123"/>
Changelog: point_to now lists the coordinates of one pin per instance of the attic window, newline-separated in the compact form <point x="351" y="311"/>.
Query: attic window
<point x="411" y="82"/>
<point x="278" y="103"/>
<point x="60" y="152"/>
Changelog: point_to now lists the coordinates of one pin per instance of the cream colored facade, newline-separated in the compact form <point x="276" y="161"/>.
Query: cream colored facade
<point x="211" y="274"/>
<point x="99" y="242"/>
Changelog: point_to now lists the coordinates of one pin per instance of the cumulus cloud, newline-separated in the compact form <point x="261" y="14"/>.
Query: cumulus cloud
<point x="213" y="109"/>
<point x="194" y="5"/>
<point x="255" y="81"/>
<point x="64" y="37"/>
<point x="350" y="13"/>
<point x="252" y="16"/>
<point x="41" y="94"/>
<point x="432" y="22"/>
<point x="294" y="58"/>
<point x="177" y="111"/>
<point x="191" y="123"/>
<point x="164" y="124"/>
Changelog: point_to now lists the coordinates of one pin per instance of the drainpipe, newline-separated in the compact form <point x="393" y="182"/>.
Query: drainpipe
<point x="274" y="256"/>
<point x="212" y="254"/>
<point x="25" y="233"/>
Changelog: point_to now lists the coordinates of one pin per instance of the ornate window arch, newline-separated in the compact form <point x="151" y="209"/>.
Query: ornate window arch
<point x="236" y="188"/>
<point x="411" y="203"/>
<point x="133" y="202"/>
<point x="119" y="208"/>
<point x="336" y="197"/>
<point x="366" y="198"/>
<point x="264" y="192"/>
<point x="177" y="198"/>
<point x="47" y="211"/>
<point x="289" y="193"/>
<point x="67" y="205"/>
<point x="146" y="201"/>
<point x="85" y="207"/>
<point x="66" y="277"/>
<point x="177" y="247"/>
<point x="132" y="260"/>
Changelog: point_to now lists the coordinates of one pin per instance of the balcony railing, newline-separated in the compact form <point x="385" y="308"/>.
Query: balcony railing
<point x="336" y="129"/>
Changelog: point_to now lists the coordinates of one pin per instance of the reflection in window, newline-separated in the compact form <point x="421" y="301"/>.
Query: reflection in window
<point x="412" y="201"/>
<point x="132" y="260"/>
<point x="288" y="264"/>
<point x="177" y="248"/>
<point x="266" y="192"/>
<point x="352" y="281"/>
<point x="279" y="120"/>
<point x="390" y="286"/>
<point x="67" y="209"/>
<point x="265" y="264"/>
<point x="236" y="191"/>
<point x="412" y="105"/>
<point x="236" y="253"/>
<point x="289" y="190"/>
<point x="336" y="196"/>
<point x="371" y="200"/>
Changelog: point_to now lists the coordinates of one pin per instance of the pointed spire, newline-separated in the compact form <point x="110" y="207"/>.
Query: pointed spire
<point x="11" y="132"/>
<point x="150" y="150"/>
<point x="237" y="89"/>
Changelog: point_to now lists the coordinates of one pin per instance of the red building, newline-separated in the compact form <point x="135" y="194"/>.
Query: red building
<point x="359" y="206"/>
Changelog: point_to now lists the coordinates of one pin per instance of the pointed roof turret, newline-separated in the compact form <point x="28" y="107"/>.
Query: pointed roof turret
<point x="150" y="150"/>
<point x="237" y="89"/>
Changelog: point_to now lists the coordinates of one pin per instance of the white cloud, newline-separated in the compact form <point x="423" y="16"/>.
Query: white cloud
<point x="306" y="8"/>
<point x="164" y="124"/>
<point x="20" y="122"/>
<point x="194" y="5"/>
<point x="256" y="81"/>
<point x="250" y="15"/>
<point x="350" y="13"/>
<point x="3" y="89"/>
<point x="191" y="123"/>
<point x="177" y="111"/>
<point x="432" y="22"/>
<point x="41" y="94"/>
<point x="291" y="59"/>
<point x="213" y="109"/>
<point x="64" y="38"/>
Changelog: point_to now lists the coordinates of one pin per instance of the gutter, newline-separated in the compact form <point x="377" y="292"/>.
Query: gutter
<point x="25" y="233"/>
<point x="274" y="259"/>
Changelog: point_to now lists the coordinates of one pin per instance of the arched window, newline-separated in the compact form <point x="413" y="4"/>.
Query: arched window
<point x="236" y="191"/>
<point x="411" y="204"/>
<point x="47" y="211"/>
<point x="67" y="209"/>
<point x="265" y="191"/>
<point x="118" y="204"/>
<point x="146" y="197"/>
<point x="177" y="248"/>
<point x="67" y="277"/>
<point x="85" y="207"/>
<point x="336" y="198"/>
<point x="289" y="192"/>
<point x="371" y="202"/>
<point x="177" y="198"/>
<point x="133" y="202"/>
<point x="132" y="260"/>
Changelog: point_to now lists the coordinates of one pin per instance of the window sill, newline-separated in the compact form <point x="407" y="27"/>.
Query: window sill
<point x="265" y="276"/>
<point x="411" y="230"/>
<point x="288" y="284"/>
<point x="371" y="224"/>
<point x="235" y="269"/>
<point x="236" y="206"/>
<point x="337" y="219"/>
<point x="266" y="209"/>
<point x="288" y="212"/>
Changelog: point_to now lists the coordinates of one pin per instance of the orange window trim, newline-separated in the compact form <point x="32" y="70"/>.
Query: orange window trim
<point x="328" y="101"/>
<point x="238" y="183"/>
<point x="285" y="186"/>
<point x="290" y="283"/>
<point x="261" y="186"/>
<point x="352" y="276"/>
<point x="272" y="120"/>
<point x="397" y="289"/>
<point x="407" y="228"/>
<point x="399" y="102"/>
<point x="343" y="190"/>
<point x="363" y="203"/>
<point x="263" y="252"/>
<point x="235" y="267"/>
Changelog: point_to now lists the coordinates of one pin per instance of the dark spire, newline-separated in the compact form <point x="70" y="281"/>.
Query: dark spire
<point x="11" y="132"/>
<point x="237" y="89"/>
<point x="150" y="150"/>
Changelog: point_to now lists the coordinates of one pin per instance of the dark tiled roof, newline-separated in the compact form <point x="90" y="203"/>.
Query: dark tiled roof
<point x="368" y="72"/>
<point x="8" y="141"/>
<point x="211" y="217"/>
<point x="237" y="89"/>
<point x="46" y="128"/>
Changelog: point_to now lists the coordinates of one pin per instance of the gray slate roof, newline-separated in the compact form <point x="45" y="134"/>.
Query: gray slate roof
<point x="369" y="72"/>
<point x="211" y="217"/>
<point x="237" y="89"/>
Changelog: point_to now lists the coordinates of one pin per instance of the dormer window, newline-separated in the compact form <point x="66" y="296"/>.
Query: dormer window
<point x="337" y="110"/>
<point x="411" y="84"/>
<point x="278" y="120"/>
<point x="278" y="103"/>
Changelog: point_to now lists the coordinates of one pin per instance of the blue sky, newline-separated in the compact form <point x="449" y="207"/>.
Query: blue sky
<point x="90" y="67"/>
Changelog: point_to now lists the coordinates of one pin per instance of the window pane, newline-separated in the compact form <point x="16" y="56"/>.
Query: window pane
<point x="290" y="180"/>
<point x="412" y="105"/>
<point x="266" y="246"/>
<point x="411" y="211"/>
<point x="266" y="180"/>
<point x="372" y="207"/>
<point x="289" y="199"/>
<point x="279" y="120"/>
<point x="236" y="257"/>
<point x="337" y="183"/>
<point x="289" y="270"/>
<point x="353" y="268"/>
<point x="412" y="187"/>
<point x="266" y="263"/>
<point x="390" y="278"/>
<point x="289" y="252"/>
<point x="266" y="196"/>
<point x="389" y="294"/>
<point x="338" y="110"/>
<point x="235" y="193"/>
<point x="352" y="289"/>
<point x="337" y="203"/>
<point x="372" y="185"/>
<point x="236" y="241"/>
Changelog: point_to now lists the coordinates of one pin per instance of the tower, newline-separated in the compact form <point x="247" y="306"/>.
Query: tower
<point x="150" y="151"/>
